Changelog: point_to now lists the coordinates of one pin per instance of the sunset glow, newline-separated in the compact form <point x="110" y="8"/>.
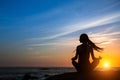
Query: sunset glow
<point x="106" y="65"/>
<point x="46" y="32"/>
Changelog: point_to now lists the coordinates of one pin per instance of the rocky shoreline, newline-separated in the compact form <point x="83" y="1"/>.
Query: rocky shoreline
<point x="96" y="75"/>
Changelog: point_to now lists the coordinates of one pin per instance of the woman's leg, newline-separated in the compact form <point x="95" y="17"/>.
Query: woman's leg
<point x="75" y="64"/>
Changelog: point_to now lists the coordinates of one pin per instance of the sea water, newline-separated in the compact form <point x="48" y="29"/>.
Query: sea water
<point x="17" y="73"/>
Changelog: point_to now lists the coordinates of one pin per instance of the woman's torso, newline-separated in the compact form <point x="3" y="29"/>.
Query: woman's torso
<point x="84" y="53"/>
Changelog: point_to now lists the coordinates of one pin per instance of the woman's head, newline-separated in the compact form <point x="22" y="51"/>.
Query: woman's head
<point x="85" y="39"/>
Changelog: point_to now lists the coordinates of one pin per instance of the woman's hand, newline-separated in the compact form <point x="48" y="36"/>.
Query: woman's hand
<point x="74" y="58"/>
<point x="100" y="57"/>
<point x="97" y="58"/>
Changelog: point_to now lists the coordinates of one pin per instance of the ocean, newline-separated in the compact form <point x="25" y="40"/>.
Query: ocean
<point x="36" y="73"/>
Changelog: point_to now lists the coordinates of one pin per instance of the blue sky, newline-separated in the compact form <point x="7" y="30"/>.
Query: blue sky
<point x="32" y="28"/>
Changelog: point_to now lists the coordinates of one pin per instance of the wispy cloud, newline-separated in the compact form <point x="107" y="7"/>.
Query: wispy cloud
<point x="105" y="34"/>
<point x="105" y="37"/>
<point x="84" y="25"/>
<point x="99" y="38"/>
<point x="59" y="42"/>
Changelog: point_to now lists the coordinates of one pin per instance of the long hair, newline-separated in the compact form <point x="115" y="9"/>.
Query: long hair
<point x="85" y="39"/>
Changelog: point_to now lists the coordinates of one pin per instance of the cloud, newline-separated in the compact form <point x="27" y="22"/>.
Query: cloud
<point x="59" y="42"/>
<point x="105" y="34"/>
<point x="84" y="25"/>
<point x="101" y="37"/>
<point x="105" y="37"/>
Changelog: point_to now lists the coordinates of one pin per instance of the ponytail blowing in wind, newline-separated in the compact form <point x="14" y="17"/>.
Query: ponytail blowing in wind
<point x="85" y="39"/>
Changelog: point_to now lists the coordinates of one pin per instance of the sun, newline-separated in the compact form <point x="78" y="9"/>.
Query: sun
<point x="106" y="64"/>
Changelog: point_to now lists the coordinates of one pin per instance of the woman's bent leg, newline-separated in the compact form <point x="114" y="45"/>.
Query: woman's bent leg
<point x="75" y="64"/>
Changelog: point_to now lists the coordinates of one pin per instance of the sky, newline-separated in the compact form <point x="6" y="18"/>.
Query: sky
<point x="45" y="33"/>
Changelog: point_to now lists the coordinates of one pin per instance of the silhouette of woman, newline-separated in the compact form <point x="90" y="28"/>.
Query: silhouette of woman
<point x="83" y="53"/>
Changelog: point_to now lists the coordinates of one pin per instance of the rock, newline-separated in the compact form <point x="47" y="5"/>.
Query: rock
<point x="96" y="75"/>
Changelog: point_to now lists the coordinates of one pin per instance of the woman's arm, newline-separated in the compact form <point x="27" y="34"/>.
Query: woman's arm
<point x="76" y="55"/>
<point x="93" y="57"/>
